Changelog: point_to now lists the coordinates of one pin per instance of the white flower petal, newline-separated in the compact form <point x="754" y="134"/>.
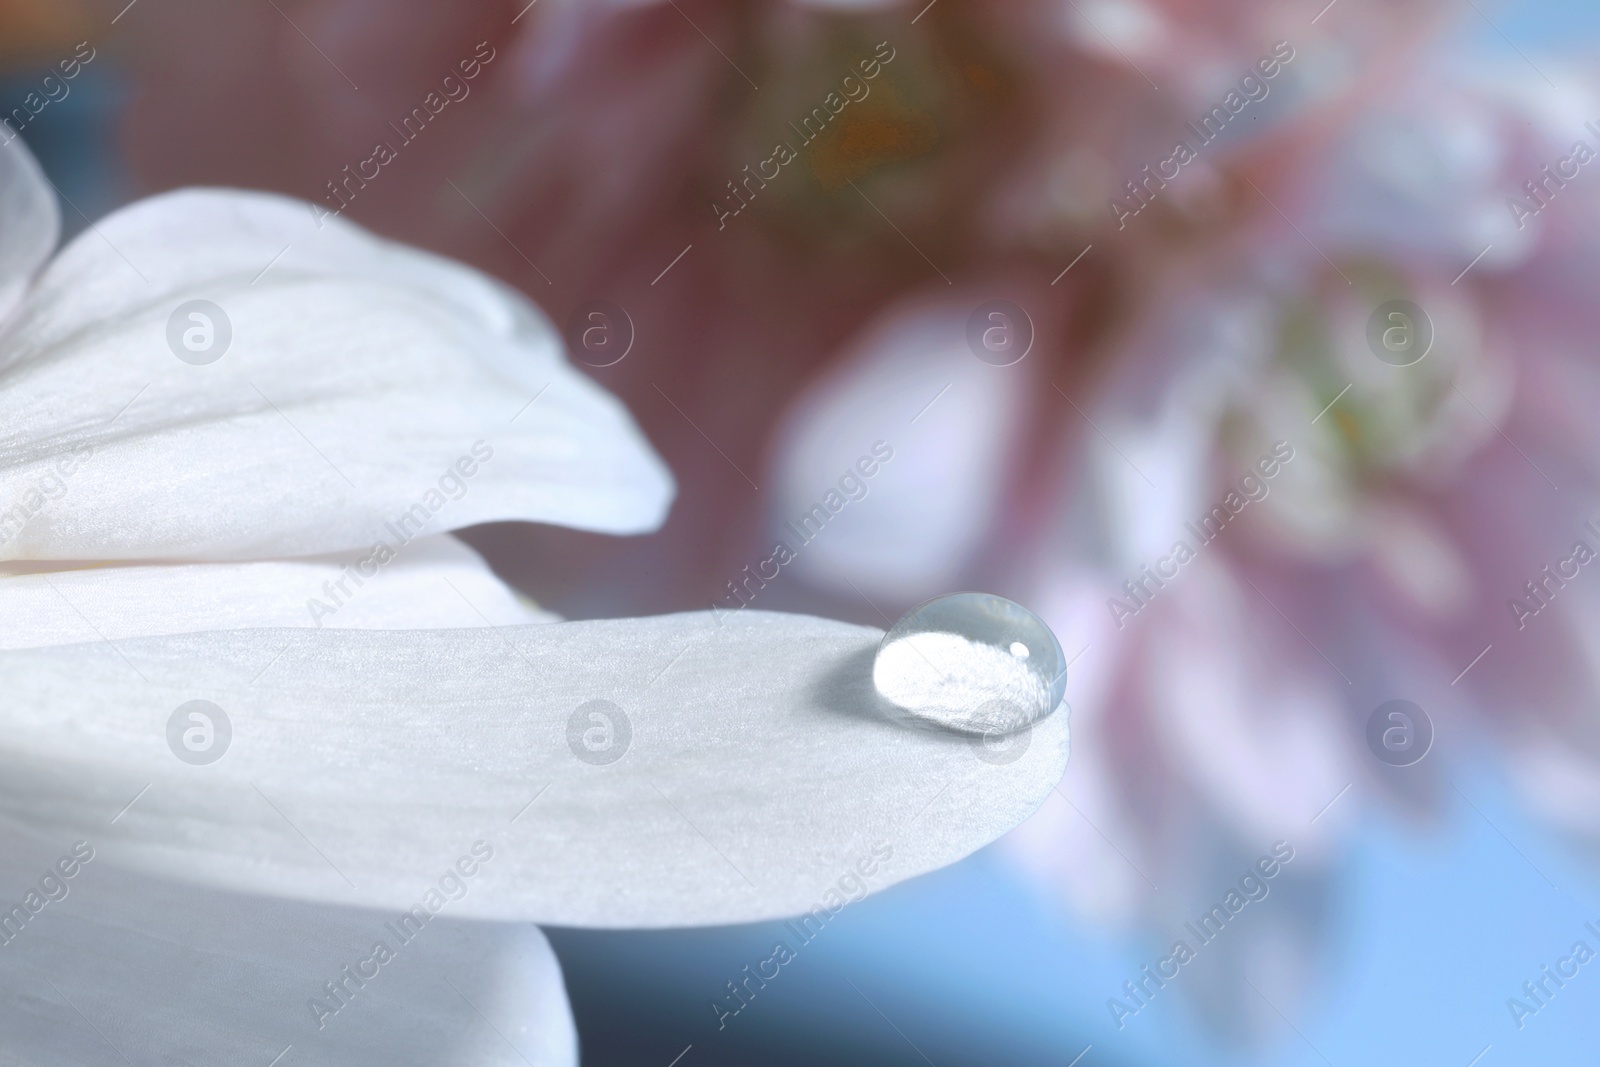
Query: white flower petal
<point x="129" y="967"/>
<point x="431" y="583"/>
<point x="362" y="382"/>
<point x="30" y="222"/>
<point x="759" y="770"/>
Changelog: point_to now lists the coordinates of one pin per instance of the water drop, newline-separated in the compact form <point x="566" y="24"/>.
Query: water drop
<point x="971" y="662"/>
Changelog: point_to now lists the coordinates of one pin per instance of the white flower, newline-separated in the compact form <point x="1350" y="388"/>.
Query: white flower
<point x="421" y="725"/>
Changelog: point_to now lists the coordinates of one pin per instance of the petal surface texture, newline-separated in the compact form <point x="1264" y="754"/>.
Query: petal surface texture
<point x="118" y="967"/>
<point x="221" y="375"/>
<point x="30" y="222"/>
<point x="733" y="771"/>
<point x="430" y="583"/>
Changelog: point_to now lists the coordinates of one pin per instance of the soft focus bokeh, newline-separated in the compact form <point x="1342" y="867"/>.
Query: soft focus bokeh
<point x="772" y="316"/>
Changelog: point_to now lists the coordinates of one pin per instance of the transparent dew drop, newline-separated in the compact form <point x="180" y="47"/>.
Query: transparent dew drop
<point x="973" y="663"/>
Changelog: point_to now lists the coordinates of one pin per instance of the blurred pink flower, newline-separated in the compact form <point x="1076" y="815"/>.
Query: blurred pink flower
<point x="1173" y="349"/>
<point x="1224" y="706"/>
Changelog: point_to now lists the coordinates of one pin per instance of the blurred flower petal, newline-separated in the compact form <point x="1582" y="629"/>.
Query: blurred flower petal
<point x="951" y="421"/>
<point x="1256" y="731"/>
<point x="1562" y="782"/>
